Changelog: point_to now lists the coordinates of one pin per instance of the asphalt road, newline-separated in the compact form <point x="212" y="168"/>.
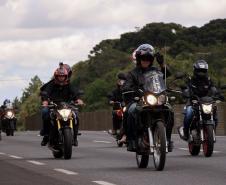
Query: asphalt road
<point x="98" y="160"/>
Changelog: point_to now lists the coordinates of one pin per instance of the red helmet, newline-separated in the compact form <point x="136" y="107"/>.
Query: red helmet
<point x="61" y="76"/>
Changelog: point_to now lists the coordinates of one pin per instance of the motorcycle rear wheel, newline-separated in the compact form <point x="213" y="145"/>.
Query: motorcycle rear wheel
<point x="194" y="149"/>
<point x="58" y="154"/>
<point x="142" y="160"/>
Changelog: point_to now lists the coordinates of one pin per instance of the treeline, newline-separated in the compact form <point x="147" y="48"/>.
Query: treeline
<point x="180" y="45"/>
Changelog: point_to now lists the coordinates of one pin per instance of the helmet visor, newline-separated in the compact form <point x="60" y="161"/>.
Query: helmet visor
<point x="147" y="57"/>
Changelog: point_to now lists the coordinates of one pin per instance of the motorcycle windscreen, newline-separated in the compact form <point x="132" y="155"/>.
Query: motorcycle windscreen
<point x="154" y="82"/>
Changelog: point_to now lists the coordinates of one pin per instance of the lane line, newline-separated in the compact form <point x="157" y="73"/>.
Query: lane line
<point x="186" y="149"/>
<point x="65" y="171"/>
<point x="15" y="157"/>
<point x="36" y="162"/>
<point x="1" y="153"/>
<point x="103" y="183"/>
<point x="95" y="141"/>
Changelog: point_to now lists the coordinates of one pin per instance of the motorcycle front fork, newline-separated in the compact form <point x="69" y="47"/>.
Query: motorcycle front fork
<point x="151" y="141"/>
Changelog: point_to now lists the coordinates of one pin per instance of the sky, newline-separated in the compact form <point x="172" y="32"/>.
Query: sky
<point x="35" y="35"/>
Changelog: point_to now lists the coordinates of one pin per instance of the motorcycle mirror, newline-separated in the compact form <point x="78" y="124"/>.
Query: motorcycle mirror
<point x="172" y="98"/>
<point x="81" y="92"/>
<point x="136" y="98"/>
<point x="179" y="75"/>
<point x="223" y="87"/>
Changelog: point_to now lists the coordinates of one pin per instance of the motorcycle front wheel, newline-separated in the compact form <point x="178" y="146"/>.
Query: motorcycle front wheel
<point x="159" y="138"/>
<point x="208" y="143"/>
<point x="67" y="136"/>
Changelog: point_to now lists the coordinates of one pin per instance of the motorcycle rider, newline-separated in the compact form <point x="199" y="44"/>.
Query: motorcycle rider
<point x="144" y="56"/>
<point x="6" y="104"/>
<point x="58" y="90"/>
<point x="116" y="96"/>
<point x="201" y="85"/>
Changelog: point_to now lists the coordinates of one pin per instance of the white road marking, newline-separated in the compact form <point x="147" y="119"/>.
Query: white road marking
<point x="1" y="153"/>
<point x="15" y="157"/>
<point x="36" y="162"/>
<point x="103" y="183"/>
<point x="186" y="149"/>
<point x="65" y="171"/>
<point x="101" y="141"/>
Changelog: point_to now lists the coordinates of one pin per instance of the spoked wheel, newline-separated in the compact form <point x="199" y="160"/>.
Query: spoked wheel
<point x="208" y="143"/>
<point x="67" y="143"/>
<point x="159" y="155"/>
<point x="194" y="149"/>
<point x="142" y="160"/>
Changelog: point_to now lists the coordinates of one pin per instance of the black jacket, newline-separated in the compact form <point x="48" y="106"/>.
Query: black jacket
<point x="135" y="78"/>
<point x="115" y="95"/>
<point x="201" y="87"/>
<point x="58" y="93"/>
<point x="135" y="81"/>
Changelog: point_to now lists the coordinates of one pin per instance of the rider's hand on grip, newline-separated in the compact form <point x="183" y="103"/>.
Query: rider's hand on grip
<point x="45" y="103"/>
<point x="159" y="58"/>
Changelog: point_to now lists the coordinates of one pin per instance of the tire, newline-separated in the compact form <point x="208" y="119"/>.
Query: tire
<point x="194" y="149"/>
<point x="159" y="138"/>
<point x="142" y="160"/>
<point x="208" y="143"/>
<point x="67" y="143"/>
<point x="12" y="128"/>
<point x="12" y="132"/>
<point x="7" y="132"/>
<point x="58" y="155"/>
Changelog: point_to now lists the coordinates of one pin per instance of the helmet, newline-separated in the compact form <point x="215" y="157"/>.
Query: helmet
<point x="61" y="76"/>
<point x="121" y="79"/>
<point x="67" y="67"/>
<point x="6" y="101"/>
<point x="144" y="52"/>
<point x="121" y="76"/>
<point x="200" y="68"/>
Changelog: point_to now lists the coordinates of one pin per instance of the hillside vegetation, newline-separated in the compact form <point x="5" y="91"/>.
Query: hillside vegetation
<point x="180" y="45"/>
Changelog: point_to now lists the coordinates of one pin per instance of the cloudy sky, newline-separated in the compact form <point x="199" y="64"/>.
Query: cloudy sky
<point x="36" y="34"/>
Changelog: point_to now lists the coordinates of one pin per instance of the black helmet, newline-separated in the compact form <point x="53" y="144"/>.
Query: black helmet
<point x="6" y="101"/>
<point x="121" y="76"/>
<point x="200" y="68"/>
<point x="144" y="52"/>
<point x="121" y="79"/>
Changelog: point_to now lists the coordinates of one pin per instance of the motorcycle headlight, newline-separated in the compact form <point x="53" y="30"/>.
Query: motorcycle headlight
<point x="65" y="113"/>
<point x="207" y="109"/>
<point x="151" y="99"/>
<point x="9" y="114"/>
<point x="161" y="99"/>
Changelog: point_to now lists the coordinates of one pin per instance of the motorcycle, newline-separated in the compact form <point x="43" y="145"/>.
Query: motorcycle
<point x="63" y="120"/>
<point x="202" y="127"/>
<point x="152" y="106"/>
<point x="118" y="121"/>
<point x="9" y="120"/>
